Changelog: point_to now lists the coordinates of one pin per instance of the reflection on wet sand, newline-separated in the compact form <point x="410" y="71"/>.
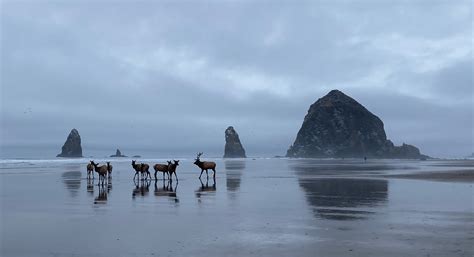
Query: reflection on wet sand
<point x="234" y="174"/>
<point x="90" y="185"/>
<point x="102" y="197"/>
<point x="345" y="167"/>
<point x="206" y="189"/>
<point x="72" y="181"/>
<point x="142" y="188"/>
<point x="167" y="190"/>
<point x="343" y="199"/>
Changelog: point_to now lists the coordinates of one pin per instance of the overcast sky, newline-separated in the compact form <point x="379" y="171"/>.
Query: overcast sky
<point x="174" y="75"/>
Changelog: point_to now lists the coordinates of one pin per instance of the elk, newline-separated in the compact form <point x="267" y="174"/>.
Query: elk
<point x="145" y="168"/>
<point x="109" y="169"/>
<point x="172" y="169"/>
<point x="161" y="168"/>
<point x="137" y="168"/>
<point x="101" y="170"/>
<point x="90" y="169"/>
<point x="205" y="166"/>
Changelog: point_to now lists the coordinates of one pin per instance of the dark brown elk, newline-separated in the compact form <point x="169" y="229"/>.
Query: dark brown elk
<point x="172" y="169"/>
<point x="142" y="168"/>
<point x="90" y="169"/>
<point x="101" y="170"/>
<point x="137" y="168"/>
<point x="109" y="169"/>
<point x="145" y="169"/>
<point x="161" y="168"/>
<point x="205" y="166"/>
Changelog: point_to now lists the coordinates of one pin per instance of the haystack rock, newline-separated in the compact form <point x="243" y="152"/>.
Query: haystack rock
<point x="72" y="146"/>
<point x="338" y="126"/>
<point x="233" y="147"/>
<point x="118" y="154"/>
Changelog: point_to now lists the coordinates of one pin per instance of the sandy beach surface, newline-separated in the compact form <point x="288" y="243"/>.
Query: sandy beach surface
<point x="256" y="207"/>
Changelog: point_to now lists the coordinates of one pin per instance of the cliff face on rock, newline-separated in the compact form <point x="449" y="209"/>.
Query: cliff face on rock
<point x="72" y="146"/>
<point x="338" y="126"/>
<point x="118" y="154"/>
<point x="233" y="147"/>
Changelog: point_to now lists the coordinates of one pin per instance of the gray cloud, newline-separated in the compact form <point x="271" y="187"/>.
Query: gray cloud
<point x="174" y="75"/>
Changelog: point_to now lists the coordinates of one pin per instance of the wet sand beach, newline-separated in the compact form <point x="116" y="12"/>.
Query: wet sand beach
<point x="255" y="207"/>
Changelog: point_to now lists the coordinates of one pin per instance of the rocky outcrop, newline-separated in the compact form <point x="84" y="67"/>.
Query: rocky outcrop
<point x="233" y="147"/>
<point x="118" y="154"/>
<point x="338" y="126"/>
<point x="72" y="146"/>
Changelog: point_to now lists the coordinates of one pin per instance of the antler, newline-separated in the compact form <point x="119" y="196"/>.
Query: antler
<point x="199" y="155"/>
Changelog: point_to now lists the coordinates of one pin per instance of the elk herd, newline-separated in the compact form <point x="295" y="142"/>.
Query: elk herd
<point x="143" y="169"/>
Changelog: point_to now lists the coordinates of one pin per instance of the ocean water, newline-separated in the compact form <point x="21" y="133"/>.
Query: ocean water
<point x="255" y="207"/>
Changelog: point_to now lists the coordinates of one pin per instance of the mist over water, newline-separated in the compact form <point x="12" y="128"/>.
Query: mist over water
<point x="50" y="152"/>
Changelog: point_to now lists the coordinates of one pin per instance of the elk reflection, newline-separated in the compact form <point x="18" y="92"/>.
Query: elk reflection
<point x="344" y="198"/>
<point x="102" y="197"/>
<point x="233" y="170"/>
<point x="206" y="189"/>
<point x="72" y="181"/>
<point x="167" y="190"/>
<point x="90" y="185"/>
<point x="142" y="188"/>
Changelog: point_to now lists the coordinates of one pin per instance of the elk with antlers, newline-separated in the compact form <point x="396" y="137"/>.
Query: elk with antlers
<point x="205" y="166"/>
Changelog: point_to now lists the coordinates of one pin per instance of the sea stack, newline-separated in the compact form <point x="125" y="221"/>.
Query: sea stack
<point x="337" y="126"/>
<point x="233" y="147"/>
<point x="118" y="154"/>
<point x="72" y="146"/>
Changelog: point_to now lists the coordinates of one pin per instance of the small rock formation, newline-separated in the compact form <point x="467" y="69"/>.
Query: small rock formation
<point x="118" y="154"/>
<point x="72" y="146"/>
<point x="233" y="147"/>
<point x="337" y="126"/>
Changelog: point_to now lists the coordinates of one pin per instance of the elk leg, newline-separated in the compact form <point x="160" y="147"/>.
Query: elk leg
<point x="207" y="174"/>
<point x="201" y="174"/>
<point x="214" y="174"/>
<point x="176" y="177"/>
